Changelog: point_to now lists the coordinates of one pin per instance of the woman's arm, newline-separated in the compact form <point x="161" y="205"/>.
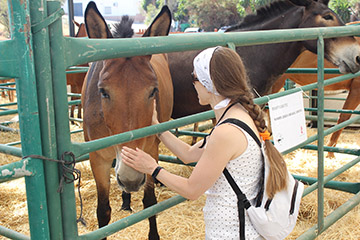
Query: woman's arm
<point x="222" y="146"/>
<point x="187" y="153"/>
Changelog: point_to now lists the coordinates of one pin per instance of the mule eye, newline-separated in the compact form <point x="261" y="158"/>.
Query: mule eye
<point x="328" y="17"/>
<point x="154" y="91"/>
<point x="103" y="93"/>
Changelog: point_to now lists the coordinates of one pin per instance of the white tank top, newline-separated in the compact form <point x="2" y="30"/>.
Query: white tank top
<point x="220" y="211"/>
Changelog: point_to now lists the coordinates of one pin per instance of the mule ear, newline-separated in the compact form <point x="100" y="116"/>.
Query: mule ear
<point x="302" y="3"/>
<point x="161" y="24"/>
<point x="76" y="23"/>
<point x="96" y="26"/>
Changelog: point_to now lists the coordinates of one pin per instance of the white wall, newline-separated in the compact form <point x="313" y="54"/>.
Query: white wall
<point x="112" y="8"/>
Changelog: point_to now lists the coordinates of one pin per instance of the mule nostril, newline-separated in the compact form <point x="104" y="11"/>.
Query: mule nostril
<point x="358" y="59"/>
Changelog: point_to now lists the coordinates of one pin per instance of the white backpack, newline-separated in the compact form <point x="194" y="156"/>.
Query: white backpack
<point x="275" y="218"/>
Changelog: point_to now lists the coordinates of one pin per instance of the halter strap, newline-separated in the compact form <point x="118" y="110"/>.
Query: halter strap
<point x="221" y="117"/>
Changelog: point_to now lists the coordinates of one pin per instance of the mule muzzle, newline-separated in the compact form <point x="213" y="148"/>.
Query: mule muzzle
<point x="130" y="186"/>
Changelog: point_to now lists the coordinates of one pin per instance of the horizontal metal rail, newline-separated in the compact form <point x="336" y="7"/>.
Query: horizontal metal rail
<point x="12" y="234"/>
<point x="16" y="170"/>
<point x="82" y="50"/>
<point x="313" y="70"/>
<point x="86" y="147"/>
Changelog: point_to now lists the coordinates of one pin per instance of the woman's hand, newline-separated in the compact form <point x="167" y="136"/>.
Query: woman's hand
<point x="139" y="160"/>
<point x="155" y="116"/>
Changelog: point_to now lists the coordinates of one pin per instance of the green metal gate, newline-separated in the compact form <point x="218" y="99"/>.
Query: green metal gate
<point x="38" y="55"/>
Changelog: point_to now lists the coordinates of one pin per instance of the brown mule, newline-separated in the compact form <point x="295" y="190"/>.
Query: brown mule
<point x="118" y="95"/>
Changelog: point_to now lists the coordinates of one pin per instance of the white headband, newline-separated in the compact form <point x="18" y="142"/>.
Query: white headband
<point x="202" y="69"/>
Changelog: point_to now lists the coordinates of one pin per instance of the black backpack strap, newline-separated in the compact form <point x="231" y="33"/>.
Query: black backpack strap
<point x="244" y="126"/>
<point x="243" y="203"/>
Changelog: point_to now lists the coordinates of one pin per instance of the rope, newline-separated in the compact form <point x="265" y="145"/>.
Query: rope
<point x="69" y="175"/>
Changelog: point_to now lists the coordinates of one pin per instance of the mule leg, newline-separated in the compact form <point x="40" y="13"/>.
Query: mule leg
<point x="196" y="129"/>
<point x="77" y="89"/>
<point x="351" y="103"/>
<point x="72" y="110"/>
<point x="126" y="197"/>
<point x="101" y="171"/>
<point x="149" y="200"/>
<point x="79" y="111"/>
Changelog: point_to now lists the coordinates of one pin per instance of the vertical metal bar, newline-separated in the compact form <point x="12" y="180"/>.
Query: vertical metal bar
<point x="320" y="127"/>
<point x="57" y="45"/>
<point x="71" y="18"/>
<point x="38" y="10"/>
<point x="19" y="13"/>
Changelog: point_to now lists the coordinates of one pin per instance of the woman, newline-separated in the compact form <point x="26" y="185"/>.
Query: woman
<point x="220" y="80"/>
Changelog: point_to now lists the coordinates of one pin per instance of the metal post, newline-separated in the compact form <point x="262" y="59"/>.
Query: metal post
<point x="46" y="113"/>
<point x="58" y="45"/>
<point x="29" y="117"/>
<point x="71" y="18"/>
<point x="320" y="125"/>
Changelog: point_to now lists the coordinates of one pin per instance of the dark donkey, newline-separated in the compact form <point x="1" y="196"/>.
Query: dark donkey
<point x="118" y="95"/>
<point x="266" y="63"/>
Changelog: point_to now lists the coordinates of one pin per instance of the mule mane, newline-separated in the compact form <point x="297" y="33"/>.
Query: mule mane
<point x="123" y="28"/>
<point x="263" y="14"/>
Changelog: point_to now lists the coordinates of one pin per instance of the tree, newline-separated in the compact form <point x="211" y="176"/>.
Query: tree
<point x="341" y="7"/>
<point x="210" y="14"/>
<point x="146" y="3"/>
<point x="152" y="8"/>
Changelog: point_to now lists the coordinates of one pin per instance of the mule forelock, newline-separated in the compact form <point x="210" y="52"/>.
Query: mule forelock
<point x="123" y="28"/>
<point x="263" y="14"/>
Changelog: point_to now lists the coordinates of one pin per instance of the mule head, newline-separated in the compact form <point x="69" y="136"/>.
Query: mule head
<point x="128" y="88"/>
<point x="344" y="52"/>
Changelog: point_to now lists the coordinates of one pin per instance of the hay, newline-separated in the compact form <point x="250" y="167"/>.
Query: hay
<point x="185" y="221"/>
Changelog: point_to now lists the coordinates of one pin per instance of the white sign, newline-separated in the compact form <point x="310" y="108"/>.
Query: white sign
<point x="287" y="118"/>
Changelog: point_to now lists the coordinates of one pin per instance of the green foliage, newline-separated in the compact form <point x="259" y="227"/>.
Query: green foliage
<point x="151" y="13"/>
<point x="181" y="12"/>
<point x="341" y="7"/>
<point x="210" y="14"/>
<point x="4" y="17"/>
<point x="145" y="4"/>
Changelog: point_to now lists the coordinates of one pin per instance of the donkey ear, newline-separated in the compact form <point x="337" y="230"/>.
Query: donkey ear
<point x="161" y="24"/>
<point x="302" y="3"/>
<point x="96" y="26"/>
<point x="76" y="23"/>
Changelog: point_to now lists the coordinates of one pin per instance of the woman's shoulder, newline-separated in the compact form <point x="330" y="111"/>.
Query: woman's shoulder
<point x="227" y="132"/>
<point x="241" y="114"/>
<point x="227" y="137"/>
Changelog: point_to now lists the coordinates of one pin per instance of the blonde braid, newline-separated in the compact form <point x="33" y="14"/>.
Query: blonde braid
<point x="254" y="111"/>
